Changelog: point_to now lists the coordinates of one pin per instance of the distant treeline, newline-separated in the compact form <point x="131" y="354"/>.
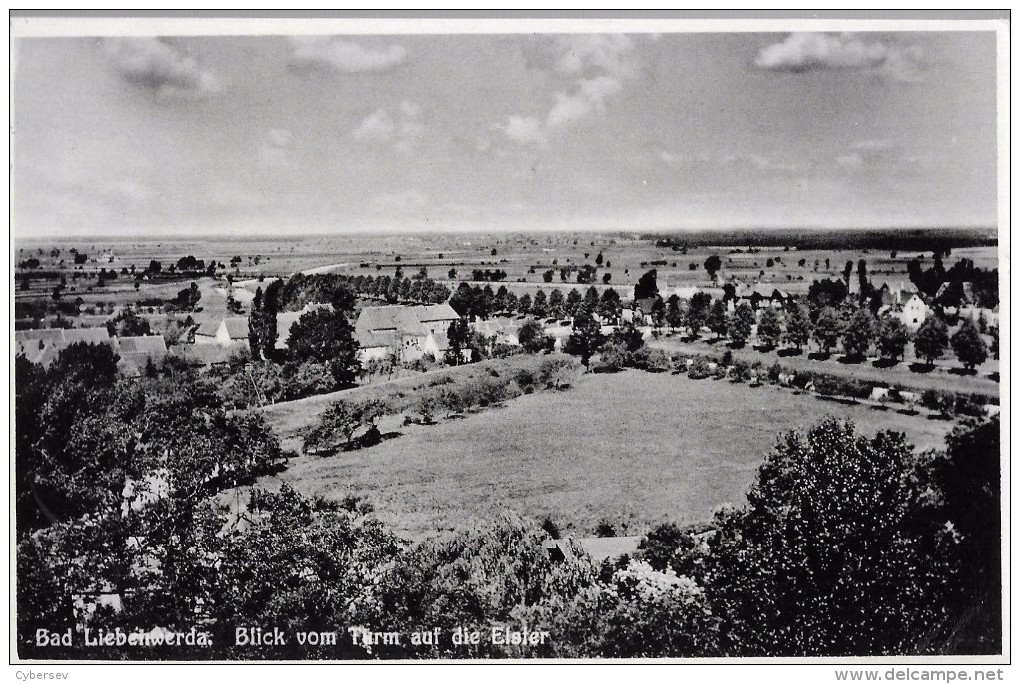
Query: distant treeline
<point x="907" y="240"/>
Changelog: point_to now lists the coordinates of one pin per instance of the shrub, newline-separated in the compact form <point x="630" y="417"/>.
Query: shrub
<point x="740" y="371"/>
<point x="699" y="370"/>
<point x="941" y="402"/>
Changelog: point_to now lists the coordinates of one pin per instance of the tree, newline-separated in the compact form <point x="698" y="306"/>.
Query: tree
<point x="859" y="334"/>
<point x="968" y="345"/>
<point x="741" y="324"/>
<point x="847" y="272"/>
<point x="547" y="276"/>
<point x="628" y="337"/>
<point x="556" y="303"/>
<point x="697" y="312"/>
<point x="646" y="286"/>
<point x="128" y="324"/>
<point x="828" y="329"/>
<point x="539" y="306"/>
<point x="325" y="335"/>
<point x="770" y="327"/>
<point x="586" y="337"/>
<point x="718" y="321"/>
<point x="798" y="326"/>
<point x="573" y="302"/>
<point x="893" y="337"/>
<point x="533" y="338"/>
<point x="458" y="334"/>
<point x="931" y="339"/>
<point x="674" y="316"/>
<point x="832" y="523"/>
<point x="712" y="265"/>
<point x="339" y="425"/>
<point x="524" y="304"/>
<point x="968" y="477"/>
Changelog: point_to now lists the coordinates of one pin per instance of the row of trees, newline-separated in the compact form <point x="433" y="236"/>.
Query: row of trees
<point x="854" y="327"/>
<point x="483" y="302"/>
<point x="338" y="289"/>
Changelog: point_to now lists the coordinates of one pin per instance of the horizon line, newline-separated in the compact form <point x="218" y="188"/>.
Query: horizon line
<point x="240" y="232"/>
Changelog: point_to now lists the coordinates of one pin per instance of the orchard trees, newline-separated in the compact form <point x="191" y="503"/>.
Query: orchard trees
<point x="931" y="339"/>
<point x="827" y="329"/>
<point x="893" y="337"/>
<point x="968" y="345"/>
<point x="741" y="324"/>
<point x="770" y="327"/>
<point x="798" y="326"/>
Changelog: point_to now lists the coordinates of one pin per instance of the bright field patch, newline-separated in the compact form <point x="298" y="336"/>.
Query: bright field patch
<point x="632" y="448"/>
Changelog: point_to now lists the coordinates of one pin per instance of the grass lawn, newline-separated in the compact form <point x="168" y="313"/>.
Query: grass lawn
<point x="634" y="448"/>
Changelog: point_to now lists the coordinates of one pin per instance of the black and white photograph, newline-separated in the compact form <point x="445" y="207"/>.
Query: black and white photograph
<point x="569" y="340"/>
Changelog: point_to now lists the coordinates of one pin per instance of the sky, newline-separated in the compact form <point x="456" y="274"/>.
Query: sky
<point x="335" y="133"/>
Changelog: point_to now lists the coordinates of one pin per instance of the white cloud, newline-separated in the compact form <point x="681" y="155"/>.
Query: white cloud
<point x="406" y="129"/>
<point x="612" y="53"/>
<point x="341" y="54"/>
<point x="585" y="54"/>
<point x="568" y="108"/>
<point x="158" y="66"/>
<point x="599" y="88"/>
<point x="801" y="52"/>
<point x="378" y="126"/>
<point x="526" y="130"/>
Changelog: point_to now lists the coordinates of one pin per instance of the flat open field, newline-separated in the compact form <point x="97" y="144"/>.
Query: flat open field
<point x="524" y="257"/>
<point x="633" y="448"/>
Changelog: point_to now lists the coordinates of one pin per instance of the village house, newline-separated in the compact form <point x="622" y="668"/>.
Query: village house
<point x="43" y="346"/>
<point x="225" y="332"/>
<point x="913" y="313"/>
<point x="505" y="331"/>
<point x="136" y="353"/>
<point x="408" y="333"/>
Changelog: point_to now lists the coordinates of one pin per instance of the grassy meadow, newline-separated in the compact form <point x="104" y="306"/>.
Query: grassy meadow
<point x="632" y="448"/>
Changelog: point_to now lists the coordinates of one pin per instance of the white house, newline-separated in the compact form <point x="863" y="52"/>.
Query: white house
<point x="914" y="312"/>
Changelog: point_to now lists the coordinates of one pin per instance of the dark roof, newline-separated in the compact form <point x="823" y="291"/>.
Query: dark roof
<point x="201" y="354"/>
<point x="144" y="344"/>
<point x="209" y="328"/>
<point x="237" y="327"/>
<point x="435" y="312"/>
<point x="401" y="319"/>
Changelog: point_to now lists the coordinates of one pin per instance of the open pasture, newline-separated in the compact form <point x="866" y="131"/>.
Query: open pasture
<point x="631" y="448"/>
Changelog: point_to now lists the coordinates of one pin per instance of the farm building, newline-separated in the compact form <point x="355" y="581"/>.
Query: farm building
<point x="43" y="346"/>
<point x="224" y="332"/>
<point x="136" y="352"/>
<point x="505" y="331"/>
<point x="407" y="332"/>
<point x="202" y="355"/>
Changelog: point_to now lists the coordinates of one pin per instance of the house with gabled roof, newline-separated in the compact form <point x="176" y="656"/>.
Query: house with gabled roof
<point x="408" y="333"/>
<point x="43" y="346"/>
<point x="225" y="332"/>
